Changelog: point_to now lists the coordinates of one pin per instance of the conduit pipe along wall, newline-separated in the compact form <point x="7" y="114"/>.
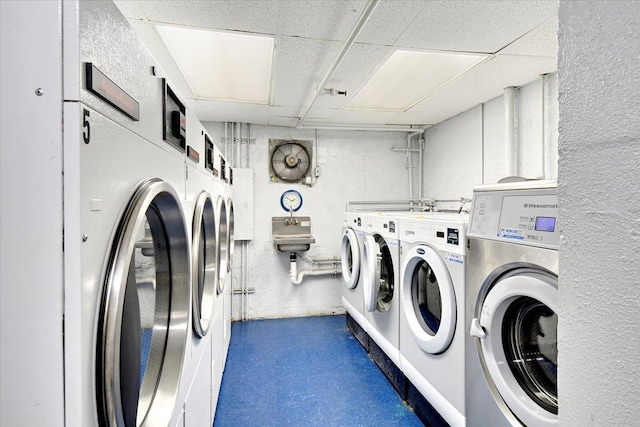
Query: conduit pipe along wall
<point x="364" y="17"/>
<point x="510" y="131"/>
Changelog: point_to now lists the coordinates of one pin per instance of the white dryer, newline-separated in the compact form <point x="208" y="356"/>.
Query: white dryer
<point x="432" y="321"/>
<point x="135" y="270"/>
<point x="513" y="303"/>
<point x="380" y="273"/>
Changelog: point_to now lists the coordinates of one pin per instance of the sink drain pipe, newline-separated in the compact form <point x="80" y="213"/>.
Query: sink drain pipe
<point x="297" y="276"/>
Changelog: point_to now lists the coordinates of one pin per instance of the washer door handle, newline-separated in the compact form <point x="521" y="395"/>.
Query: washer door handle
<point x="477" y="330"/>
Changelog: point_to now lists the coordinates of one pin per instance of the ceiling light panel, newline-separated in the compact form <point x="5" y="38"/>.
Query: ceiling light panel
<point x="222" y="65"/>
<point x="409" y="76"/>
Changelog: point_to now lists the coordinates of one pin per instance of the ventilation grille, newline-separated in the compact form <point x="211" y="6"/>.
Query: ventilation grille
<point x="290" y="160"/>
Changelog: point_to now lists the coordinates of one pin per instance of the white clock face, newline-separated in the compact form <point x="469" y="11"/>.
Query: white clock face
<point x="291" y="201"/>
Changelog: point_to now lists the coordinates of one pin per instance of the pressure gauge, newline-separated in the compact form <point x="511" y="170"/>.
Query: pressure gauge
<point x="291" y="201"/>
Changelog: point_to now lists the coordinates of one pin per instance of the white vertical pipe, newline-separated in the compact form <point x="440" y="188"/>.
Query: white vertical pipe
<point x="482" y="124"/>
<point x="226" y="137"/>
<point x="543" y="139"/>
<point x="509" y="131"/>
<point x="410" y="165"/>
<point x="246" y="165"/>
<point x="236" y="161"/>
<point x="421" y="167"/>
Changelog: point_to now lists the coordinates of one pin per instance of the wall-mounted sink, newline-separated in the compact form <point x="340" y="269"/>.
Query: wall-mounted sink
<point x="292" y="233"/>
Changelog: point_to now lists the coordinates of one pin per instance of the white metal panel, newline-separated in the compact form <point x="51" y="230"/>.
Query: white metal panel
<point x="31" y="269"/>
<point x="197" y="408"/>
<point x="243" y="203"/>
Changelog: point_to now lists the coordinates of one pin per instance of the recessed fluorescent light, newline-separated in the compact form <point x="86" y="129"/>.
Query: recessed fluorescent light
<point x="409" y="76"/>
<point x="222" y="65"/>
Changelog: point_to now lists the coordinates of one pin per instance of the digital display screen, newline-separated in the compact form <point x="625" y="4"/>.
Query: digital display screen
<point x="545" y="223"/>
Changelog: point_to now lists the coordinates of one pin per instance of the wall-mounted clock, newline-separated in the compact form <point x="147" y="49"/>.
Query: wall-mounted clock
<point x="291" y="201"/>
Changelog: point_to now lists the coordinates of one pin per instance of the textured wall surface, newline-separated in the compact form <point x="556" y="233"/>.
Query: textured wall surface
<point x="599" y="144"/>
<point x="353" y="165"/>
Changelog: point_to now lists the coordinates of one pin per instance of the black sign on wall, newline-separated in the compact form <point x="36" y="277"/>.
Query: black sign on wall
<point x="104" y="88"/>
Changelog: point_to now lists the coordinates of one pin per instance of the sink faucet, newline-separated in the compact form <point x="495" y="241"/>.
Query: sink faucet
<point x="291" y="220"/>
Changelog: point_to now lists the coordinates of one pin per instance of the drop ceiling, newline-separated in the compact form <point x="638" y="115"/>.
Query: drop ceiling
<point x="518" y="39"/>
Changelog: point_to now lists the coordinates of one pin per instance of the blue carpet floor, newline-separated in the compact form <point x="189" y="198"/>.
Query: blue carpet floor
<point x="304" y="372"/>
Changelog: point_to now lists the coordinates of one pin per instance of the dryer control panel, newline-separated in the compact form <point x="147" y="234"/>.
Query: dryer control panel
<point x="525" y="216"/>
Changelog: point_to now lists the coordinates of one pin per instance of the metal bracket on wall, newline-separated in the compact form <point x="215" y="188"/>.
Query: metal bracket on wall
<point x="244" y="291"/>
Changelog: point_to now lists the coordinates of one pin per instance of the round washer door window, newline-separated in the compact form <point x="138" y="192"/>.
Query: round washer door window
<point x="428" y="299"/>
<point x="520" y="350"/>
<point x="144" y="314"/>
<point x="350" y="258"/>
<point x="205" y="263"/>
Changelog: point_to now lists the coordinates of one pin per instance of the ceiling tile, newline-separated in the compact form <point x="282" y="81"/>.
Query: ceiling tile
<point x="318" y="28"/>
<point x="410" y="118"/>
<point x="131" y="9"/>
<point x="301" y="64"/>
<point x="481" y="84"/>
<point x="389" y="21"/>
<point x="352" y="73"/>
<point x="475" y="26"/>
<point x="252" y="16"/>
<point x="282" y="121"/>
<point x="323" y="20"/>
<point x="362" y="117"/>
<point x="542" y="41"/>
<point x="226" y="111"/>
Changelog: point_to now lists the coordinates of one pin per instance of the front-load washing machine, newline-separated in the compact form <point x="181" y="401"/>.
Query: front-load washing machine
<point x="432" y="321"/>
<point x="380" y="271"/>
<point x="513" y="303"/>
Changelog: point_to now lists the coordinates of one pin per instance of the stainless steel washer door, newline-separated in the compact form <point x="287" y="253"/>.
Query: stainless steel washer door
<point x="516" y="327"/>
<point x="223" y="230"/>
<point x="144" y="315"/>
<point x="205" y="263"/>
<point x="231" y="243"/>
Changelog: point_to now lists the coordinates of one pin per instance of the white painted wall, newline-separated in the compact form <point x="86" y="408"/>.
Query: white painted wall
<point x="468" y="149"/>
<point x="599" y="194"/>
<point x="453" y="156"/>
<point x="353" y="165"/>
